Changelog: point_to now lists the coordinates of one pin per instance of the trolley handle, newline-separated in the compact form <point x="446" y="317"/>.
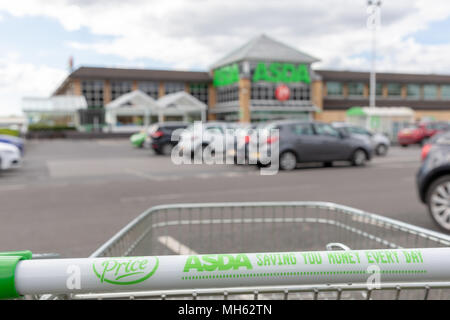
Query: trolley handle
<point x="8" y="264"/>
<point x="21" y="276"/>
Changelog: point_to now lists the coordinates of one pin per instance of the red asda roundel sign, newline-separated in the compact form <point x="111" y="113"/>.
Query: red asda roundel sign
<point x="282" y="92"/>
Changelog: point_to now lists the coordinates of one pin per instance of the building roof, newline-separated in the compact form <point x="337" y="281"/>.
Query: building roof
<point x="54" y="104"/>
<point x="133" y="98"/>
<point x="335" y="75"/>
<point x="182" y="101"/>
<point x="265" y="48"/>
<point x="96" y="73"/>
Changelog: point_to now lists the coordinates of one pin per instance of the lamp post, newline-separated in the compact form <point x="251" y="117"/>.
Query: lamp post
<point x="373" y="22"/>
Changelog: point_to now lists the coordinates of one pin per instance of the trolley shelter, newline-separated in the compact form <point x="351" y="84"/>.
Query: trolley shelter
<point x="181" y="106"/>
<point x="387" y="120"/>
<point x="130" y="112"/>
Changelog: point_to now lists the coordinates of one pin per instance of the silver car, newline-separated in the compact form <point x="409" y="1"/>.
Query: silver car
<point x="380" y="143"/>
<point x="307" y="141"/>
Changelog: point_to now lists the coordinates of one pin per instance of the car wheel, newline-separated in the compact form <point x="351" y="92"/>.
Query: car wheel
<point x="404" y="146"/>
<point x="381" y="149"/>
<point x="438" y="201"/>
<point x="359" y="158"/>
<point x="288" y="161"/>
<point x="328" y="164"/>
<point x="166" y="149"/>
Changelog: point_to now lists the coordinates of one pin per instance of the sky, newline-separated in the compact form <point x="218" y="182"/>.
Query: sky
<point x="37" y="37"/>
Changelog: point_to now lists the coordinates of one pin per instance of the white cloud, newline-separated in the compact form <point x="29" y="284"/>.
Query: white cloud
<point x="19" y="79"/>
<point x="189" y="34"/>
<point x="193" y="34"/>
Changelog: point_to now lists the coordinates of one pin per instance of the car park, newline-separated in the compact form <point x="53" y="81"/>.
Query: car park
<point x="380" y="142"/>
<point x="419" y="133"/>
<point x="306" y="141"/>
<point x="18" y="142"/>
<point x="9" y="156"/>
<point x="160" y="136"/>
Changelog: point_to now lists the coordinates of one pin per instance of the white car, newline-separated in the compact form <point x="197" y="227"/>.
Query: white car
<point x="200" y="135"/>
<point x="9" y="156"/>
<point x="380" y="143"/>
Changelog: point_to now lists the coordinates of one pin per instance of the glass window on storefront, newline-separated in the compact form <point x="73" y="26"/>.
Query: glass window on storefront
<point x="263" y="91"/>
<point x="119" y="88"/>
<point x="335" y="89"/>
<point x="266" y="91"/>
<point x="300" y="93"/>
<point x="149" y="87"/>
<point x="172" y="87"/>
<point x="394" y="90"/>
<point x="413" y="91"/>
<point x="355" y="89"/>
<point x="430" y="92"/>
<point x="227" y="93"/>
<point x="445" y="92"/>
<point x="378" y="90"/>
<point x="92" y="90"/>
<point x="200" y="91"/>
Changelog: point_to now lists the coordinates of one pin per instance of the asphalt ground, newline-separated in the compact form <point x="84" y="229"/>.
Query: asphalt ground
<point x="71" y="196"/>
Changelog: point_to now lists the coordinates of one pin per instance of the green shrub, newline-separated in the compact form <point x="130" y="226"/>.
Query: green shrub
<point x="44" y="127"/>
<point x="10" y="132"/>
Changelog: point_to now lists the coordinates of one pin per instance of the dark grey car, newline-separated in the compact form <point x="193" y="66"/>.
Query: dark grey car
<point x="302" y="141"/>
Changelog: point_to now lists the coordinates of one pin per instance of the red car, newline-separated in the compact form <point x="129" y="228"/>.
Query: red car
<point x="418" y="133"/>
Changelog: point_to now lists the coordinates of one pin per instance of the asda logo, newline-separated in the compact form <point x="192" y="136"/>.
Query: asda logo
<point x="226" y="75"/>
<point x="125" y="271"/>
<point x="281" y="72"/>
<point x="220" y="262"/>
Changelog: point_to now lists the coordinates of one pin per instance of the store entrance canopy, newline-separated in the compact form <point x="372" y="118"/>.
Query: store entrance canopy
<point x="181" y="104"/>
<point x="133" y="101"/>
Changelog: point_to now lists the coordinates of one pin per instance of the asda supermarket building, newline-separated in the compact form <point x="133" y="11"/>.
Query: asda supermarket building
<point x="262" y="80"/>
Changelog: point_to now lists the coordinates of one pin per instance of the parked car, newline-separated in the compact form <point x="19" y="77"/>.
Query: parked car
<point x="160" y="136"/>
<point x="304" y="141"/>
<point x="238" y="149"/>
<point x="419" y="133"/>
<point x="9" y="156"/>
<point x="433" y="179"/>
<point x="213" y="134"/>
<point x="18" y="142"/>
<point x="380" y="143"/>
<point x="138" y="139"/>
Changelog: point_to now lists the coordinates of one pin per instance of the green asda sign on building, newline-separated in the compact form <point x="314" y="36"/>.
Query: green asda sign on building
<point x="281" y="72"/>
<point x="274" y="72"/>
<point x="226" y="76"/>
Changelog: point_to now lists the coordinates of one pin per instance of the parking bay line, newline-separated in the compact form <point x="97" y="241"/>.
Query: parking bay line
<point x="144" y="175"/>
<point x="176" y="246"/>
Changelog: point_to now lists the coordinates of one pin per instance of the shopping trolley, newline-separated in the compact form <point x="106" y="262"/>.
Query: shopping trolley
<point x="267" y="250"/>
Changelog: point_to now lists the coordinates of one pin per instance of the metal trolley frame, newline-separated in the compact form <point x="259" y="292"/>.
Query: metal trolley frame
<point x="230" y="228"/>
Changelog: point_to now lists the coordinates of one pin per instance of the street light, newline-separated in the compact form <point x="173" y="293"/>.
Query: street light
<point x="373" y="22"/>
